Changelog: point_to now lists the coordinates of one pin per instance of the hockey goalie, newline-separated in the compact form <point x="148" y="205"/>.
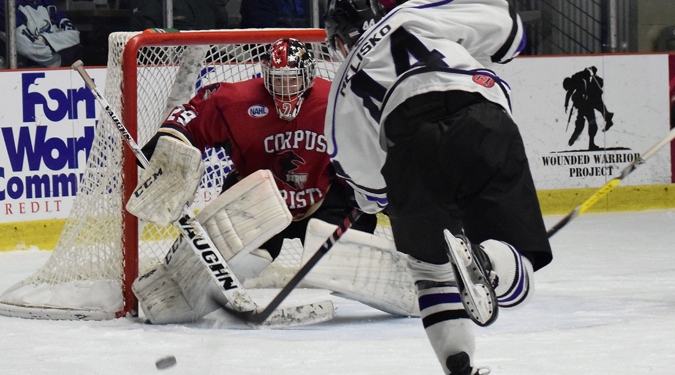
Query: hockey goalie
<point x="282" y="186"/>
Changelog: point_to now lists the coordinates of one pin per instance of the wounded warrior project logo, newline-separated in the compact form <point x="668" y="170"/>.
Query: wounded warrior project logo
<point x="584" y="89"/>
<point x="587" y="112"/>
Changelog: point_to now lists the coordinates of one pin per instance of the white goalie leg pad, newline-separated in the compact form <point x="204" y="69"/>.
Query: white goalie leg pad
<point x="193" y="278"/>
<point x="516" y="275"/>
<point x="446" y="323"/>
<point x="168" y="183"/>
<point x="362" y="267"/>
<point x="245" y="216"/>
<point x="160" y="297"/>
<point x="238" y="221"/>
<point x="250" y="265"/>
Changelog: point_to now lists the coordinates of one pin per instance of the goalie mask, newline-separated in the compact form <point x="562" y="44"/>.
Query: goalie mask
<point x="348" y="20"/>
<point x="289" y="71"/>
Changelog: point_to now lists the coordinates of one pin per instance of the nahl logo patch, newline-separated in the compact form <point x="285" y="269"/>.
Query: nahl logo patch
<point x="484" y="80"/>
<point x="258" y="110"/>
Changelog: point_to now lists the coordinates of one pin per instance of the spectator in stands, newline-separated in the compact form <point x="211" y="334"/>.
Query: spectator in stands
<point x="187" y="14"/>
<point x="45" y="37"/>
<point x="275" y="14"/>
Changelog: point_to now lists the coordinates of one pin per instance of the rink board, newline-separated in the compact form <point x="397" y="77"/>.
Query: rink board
<point x="48" y="122"/>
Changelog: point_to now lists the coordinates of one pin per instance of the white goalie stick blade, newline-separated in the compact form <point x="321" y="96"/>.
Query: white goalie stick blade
<point x="284" y="317"/>
<point x="478" y="296"/>
<point x="287" y="317"/>
<point x="259" y="316"/>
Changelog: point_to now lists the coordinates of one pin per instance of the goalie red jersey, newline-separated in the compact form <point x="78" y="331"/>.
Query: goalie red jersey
<point x="241" y="117"/>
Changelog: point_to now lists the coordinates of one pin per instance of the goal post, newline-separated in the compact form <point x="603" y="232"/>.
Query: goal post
<point x="103" y="248"/>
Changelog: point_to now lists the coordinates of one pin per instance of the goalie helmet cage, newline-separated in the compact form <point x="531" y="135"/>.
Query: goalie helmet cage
<point x="103" y="248"/>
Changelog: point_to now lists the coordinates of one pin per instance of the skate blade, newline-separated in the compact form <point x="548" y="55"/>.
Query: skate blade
<point x="478" y="298"/>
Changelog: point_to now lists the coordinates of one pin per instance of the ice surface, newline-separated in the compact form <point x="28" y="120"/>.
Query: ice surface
<point x="606" y="305"/>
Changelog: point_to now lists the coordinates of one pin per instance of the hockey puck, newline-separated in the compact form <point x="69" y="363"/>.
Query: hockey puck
<point x="166" y="362"/>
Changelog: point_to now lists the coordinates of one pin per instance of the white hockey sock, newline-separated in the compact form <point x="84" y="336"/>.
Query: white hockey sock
<point x="516" y="279"/>
<point x="446" y="323"/>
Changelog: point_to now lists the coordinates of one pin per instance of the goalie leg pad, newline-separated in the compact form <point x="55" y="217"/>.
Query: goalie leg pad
<point x="246" y="215"/>
<point x="161" y="299"/>
<point x="362" y="267"/>
<point x="193" y="278"/>
<point x="238" y="221"/>
<point x="168" y="183"/>
<point x="515" y="274"/>
<point x="250" y="266"/>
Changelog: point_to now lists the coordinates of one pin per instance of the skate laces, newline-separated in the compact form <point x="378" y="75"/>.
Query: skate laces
<point x="482" y="259"/>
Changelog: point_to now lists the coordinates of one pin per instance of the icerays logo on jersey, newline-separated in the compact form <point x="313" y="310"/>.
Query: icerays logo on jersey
<point x="287" y="162"/>
<point x="209" y="90"/>
<point x="258" y="110"/>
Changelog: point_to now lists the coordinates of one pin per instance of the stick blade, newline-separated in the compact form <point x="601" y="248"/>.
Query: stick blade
<point x="302" y="315"/>
<point x="286" y="317"/>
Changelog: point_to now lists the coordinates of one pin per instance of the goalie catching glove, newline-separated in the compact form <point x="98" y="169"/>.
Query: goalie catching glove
<point x="168" y="183"/>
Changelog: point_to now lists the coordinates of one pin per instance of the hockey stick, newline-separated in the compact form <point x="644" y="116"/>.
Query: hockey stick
<point x="199" y="240"/>
<point x="583" y="207"/>
<point x="259" y="316"/>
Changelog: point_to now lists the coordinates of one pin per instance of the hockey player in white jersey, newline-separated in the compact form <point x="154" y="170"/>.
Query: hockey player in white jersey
<point x="418" y="125"/>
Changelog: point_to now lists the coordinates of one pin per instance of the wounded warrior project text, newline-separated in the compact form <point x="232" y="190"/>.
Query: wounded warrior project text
<point x="583" y="161"/>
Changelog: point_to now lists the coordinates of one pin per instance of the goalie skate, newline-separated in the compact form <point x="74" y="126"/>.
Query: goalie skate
<point x="476" y="290"/>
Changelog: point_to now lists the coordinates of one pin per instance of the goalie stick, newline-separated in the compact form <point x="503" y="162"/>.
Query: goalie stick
<point x="235" y="294"/>
<point x="265" y="315"/>
<point x="604" y="190"/>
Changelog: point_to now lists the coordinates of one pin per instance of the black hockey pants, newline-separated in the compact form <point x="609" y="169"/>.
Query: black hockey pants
<point x="458" y="163"/>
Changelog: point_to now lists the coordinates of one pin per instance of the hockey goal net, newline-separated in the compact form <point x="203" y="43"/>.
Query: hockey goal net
<point x="103" y="248"/>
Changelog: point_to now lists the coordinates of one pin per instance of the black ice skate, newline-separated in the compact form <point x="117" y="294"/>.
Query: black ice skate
<point x="473" y="269"/>
<point x="460" y="364"/>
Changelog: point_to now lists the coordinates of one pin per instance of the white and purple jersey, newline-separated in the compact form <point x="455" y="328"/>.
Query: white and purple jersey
<point x="418" y="47"/>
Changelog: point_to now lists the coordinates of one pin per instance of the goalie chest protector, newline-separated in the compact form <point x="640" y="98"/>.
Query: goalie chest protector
<point x="244" y="116"/>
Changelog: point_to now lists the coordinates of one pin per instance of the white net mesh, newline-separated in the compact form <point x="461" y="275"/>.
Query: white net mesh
<point x="90" y="251"/>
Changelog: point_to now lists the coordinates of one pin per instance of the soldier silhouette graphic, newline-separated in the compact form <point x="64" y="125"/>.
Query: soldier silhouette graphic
<point x="585" y="90"/>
